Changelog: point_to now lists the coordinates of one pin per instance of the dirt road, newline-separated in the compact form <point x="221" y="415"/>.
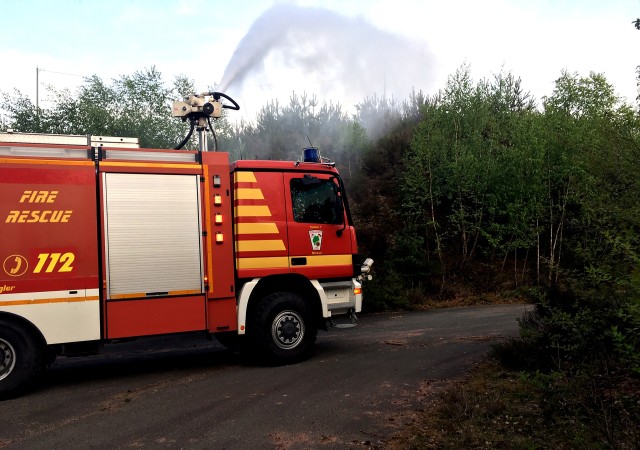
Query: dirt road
<point x="359" y="389"/>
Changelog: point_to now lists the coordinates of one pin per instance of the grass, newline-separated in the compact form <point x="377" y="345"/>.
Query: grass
<point x="497" y="408"/>
<point x="491" y="408"/>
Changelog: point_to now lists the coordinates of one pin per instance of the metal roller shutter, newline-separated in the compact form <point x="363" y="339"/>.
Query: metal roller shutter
<point x="153" y="234"/>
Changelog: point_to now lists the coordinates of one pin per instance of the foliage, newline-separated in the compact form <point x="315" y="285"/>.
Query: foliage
<point x="491" y="181"/>
<point x="137" y="105"/>
<point x="475" y="189"/>
<point x="494" y="407"/>
<point x="470" y="187"/>
<point x="281" y="132"/>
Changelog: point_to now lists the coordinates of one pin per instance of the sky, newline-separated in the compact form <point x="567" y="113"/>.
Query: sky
<point x="339" y="50"/>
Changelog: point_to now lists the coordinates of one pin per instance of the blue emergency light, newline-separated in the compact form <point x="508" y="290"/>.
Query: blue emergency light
<point x="311" y="154"/>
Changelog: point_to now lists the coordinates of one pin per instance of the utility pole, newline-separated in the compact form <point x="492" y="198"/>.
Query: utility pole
<point x="38" y="90"/>
<point x="40" y="69"/>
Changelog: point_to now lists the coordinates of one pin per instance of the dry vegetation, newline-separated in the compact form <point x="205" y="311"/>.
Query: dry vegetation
<point x="490" y="408"/>
<point x="497" y="408"/>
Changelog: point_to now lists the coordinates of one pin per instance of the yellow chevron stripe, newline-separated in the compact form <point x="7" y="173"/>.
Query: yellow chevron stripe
<point x="256" y="228"/>
<point x="328" y="260"/>
<point x="277" y="262"/>
<point x="251" y="211"/>
<point x="260" y="246"/>
<point x="244" y="177"/>
<point x="249" y="194"/>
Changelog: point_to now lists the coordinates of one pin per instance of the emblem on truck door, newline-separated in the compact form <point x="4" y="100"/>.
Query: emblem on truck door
<point x="316" y="239"/>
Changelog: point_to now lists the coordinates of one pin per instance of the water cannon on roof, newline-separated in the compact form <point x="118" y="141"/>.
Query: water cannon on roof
<point x="199" y="109"/>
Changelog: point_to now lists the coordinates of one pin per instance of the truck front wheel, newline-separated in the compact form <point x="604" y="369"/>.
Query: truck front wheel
<point x="20" y="359"/>
<point x="280" y="329"/>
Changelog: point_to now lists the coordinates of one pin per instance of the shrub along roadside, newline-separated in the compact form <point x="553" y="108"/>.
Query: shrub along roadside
<point x="496" y="407"/>
<point x="490" y="408"/>
<point x="562" y="185"/>
<point x="569" y="381"/>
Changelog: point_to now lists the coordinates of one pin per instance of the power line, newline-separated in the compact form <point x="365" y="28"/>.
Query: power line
<point x="63" y="73"/>
<point x="40" y="69"/>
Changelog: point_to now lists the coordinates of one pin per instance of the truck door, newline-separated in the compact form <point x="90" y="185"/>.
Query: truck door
<point x="320" y="242"/>
<point x="152" y="253"/>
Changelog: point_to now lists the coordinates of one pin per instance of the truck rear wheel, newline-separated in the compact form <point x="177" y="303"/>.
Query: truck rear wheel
<point x="280" y="329"/>
<point x="20" y="359"/>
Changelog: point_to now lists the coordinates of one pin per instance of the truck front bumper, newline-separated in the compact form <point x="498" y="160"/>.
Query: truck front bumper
<point x="343" y="297"/>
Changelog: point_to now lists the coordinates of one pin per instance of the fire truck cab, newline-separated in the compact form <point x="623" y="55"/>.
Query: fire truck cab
<point x="102" y="241"/>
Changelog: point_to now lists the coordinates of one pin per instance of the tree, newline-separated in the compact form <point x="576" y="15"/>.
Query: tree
<point x="137" y="105"/>
<point x="468" y="183"/>
<point x="636" y="23"/>
<point x="280" y="132"/>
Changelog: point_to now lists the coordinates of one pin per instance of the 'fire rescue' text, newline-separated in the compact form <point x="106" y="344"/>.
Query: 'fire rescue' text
<point x="40" y="216"/>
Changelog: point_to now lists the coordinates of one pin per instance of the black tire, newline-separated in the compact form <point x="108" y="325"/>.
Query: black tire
<point x="21" y="359"/>
<point x="280" y="329"/>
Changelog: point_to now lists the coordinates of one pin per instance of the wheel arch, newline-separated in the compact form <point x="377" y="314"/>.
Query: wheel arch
<point x="25" y="324"/>
<point x="22" y="352"/>
<point x="256" y="289"/>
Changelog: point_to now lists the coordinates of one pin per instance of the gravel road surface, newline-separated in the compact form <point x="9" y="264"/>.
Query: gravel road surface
<point x="361" y="386"/>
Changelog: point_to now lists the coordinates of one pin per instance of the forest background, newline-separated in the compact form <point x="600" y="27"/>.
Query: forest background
<point x="478" y="191"/>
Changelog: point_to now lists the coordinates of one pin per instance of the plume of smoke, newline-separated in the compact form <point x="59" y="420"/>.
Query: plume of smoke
<point x="357" y="57"/>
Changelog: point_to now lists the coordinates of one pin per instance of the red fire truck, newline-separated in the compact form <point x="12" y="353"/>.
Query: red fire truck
<point x="102" y="241"/>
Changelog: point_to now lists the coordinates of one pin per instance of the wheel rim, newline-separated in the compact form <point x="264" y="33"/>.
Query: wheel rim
<point x="7" y="359"/>
<point x="287" y="330"/>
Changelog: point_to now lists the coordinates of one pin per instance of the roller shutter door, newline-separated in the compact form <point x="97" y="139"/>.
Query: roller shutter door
<point x="153" y="235"/>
